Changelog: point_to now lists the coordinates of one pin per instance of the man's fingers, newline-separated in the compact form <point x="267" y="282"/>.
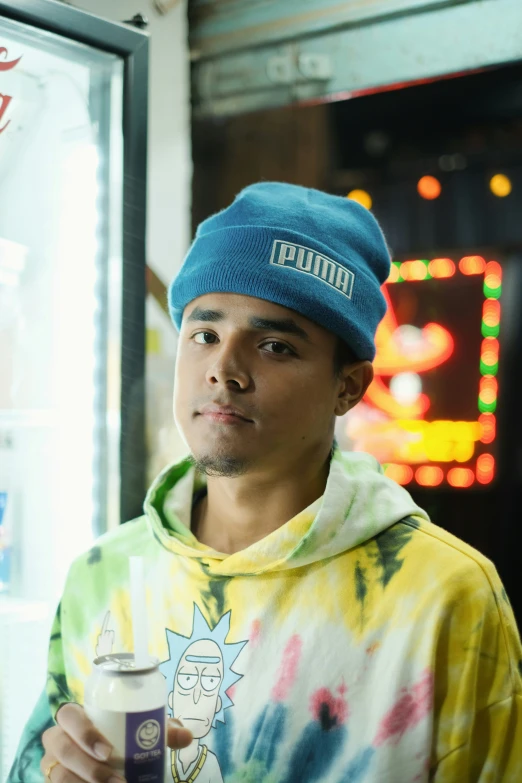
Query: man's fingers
<point x="58" y="773"/>
<point x="73" y="761"/>
<point x="75" y="723"/>
<point x="177" y="736"/>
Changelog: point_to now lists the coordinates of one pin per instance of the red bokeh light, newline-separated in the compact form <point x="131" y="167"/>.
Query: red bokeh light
<point x="488" y="427"/>
<point x="493" y="268"/>
<point x="485" y="468"/>
<point x="488" y="389"/>
<point x="491" y="312"/>
<point x="489" y="351"/>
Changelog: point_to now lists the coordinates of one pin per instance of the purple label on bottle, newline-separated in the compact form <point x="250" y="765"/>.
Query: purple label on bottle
<point x="145" y="746"/>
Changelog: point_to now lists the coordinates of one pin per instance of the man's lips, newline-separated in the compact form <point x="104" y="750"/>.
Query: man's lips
<point x="224" y="414"/>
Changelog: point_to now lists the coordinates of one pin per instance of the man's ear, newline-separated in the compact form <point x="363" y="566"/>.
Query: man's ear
<point x="354" y="379"/>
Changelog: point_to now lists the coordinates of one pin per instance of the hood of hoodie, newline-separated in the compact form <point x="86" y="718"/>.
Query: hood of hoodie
<point x="359" y="502"/>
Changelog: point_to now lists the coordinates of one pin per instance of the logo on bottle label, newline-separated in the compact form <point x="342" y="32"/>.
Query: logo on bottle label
<point x="145" y="746"/>
<point x="148" y="734"/>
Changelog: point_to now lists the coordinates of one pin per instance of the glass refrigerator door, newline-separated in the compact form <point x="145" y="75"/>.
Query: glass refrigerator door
<point x="61" y="191"/>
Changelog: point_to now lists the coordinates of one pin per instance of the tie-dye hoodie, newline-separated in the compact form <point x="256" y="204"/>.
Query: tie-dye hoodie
<point x="358" y="642"/>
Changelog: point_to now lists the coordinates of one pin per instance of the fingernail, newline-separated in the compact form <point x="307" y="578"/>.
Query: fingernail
<point x="175" y="722"/>
<point x="116" y="779"/>
<point x="102" y="750"/>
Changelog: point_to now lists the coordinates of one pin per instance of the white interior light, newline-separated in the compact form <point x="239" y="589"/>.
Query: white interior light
<point x="76" y="305"/>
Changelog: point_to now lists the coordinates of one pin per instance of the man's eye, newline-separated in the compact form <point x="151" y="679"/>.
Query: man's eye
<point x="204" y="338"/>
<point x="276" y="347"/>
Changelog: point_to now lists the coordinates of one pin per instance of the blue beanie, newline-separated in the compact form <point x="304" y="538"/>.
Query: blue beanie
<point x="323" y="256"/>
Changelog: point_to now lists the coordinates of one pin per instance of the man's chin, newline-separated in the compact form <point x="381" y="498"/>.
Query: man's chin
<point x="225" y="465"/>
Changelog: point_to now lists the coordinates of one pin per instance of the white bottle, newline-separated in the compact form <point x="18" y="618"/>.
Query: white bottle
<point x="129" y="707"/>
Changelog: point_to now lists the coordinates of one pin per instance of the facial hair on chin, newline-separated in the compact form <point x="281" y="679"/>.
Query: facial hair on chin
<point x="219" y="465"/>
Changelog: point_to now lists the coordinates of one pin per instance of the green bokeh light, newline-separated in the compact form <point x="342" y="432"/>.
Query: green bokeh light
<point x="492" y="293"/>
<point x="487" y="407"/>
<point x="490" y="331"/>
<point x="488" y="369"/>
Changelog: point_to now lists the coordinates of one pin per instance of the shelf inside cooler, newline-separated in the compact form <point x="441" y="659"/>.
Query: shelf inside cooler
<point x="24" y="631"/>
<point x="12" y="417"/>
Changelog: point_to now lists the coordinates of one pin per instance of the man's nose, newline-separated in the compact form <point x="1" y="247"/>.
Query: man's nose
<point x="229" y="368"/>
<point x="196" y="693"/>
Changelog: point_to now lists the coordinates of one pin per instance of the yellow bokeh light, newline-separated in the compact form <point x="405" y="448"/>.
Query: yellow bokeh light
<point x="362" y="197"/>
<point x="500" y="185"/>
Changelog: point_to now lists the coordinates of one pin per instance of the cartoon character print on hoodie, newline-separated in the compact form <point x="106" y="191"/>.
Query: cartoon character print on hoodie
<point x="358" y="642"/>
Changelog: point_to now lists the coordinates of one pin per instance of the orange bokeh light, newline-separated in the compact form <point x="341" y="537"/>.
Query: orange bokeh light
<point x="472" y="265"/>
<point x="395" y="274"/>
<point x="492" y="281"/>
<point x="429" y="475"/>
<point x="485" y="468"/>
<point x="488" y="389"/>
<point x="378" y="394"/>
<point x="490" y="347"/>
<point x="460" y="477"/>
<point x="402" y="474"/>
<point x="488" y="396"/>
<point x="433" y="351"/>
<point x="414" y="270"/>
<point x="441" y="267"/>
<point x="429" y="188"/>
<point x="491" y="312"/>
<point x="488" y="427"/>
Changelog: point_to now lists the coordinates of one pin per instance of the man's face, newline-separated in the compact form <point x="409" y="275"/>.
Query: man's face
<point x="195" y="698"/>
<point x="270" y="364"/>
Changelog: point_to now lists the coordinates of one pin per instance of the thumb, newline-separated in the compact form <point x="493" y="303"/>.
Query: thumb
<point x="177" y="736"/>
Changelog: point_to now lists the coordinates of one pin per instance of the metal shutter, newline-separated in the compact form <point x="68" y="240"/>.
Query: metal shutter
<point x="253" y="54"/>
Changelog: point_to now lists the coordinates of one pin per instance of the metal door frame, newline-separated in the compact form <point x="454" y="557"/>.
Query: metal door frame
<point x="132" y="45"/>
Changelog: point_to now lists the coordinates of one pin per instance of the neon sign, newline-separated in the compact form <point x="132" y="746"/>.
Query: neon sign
<point x="430" y="414"/>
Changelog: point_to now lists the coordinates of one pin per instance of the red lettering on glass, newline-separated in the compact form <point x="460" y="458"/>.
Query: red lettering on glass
<point x="5" y="100"/>
<point x="7" y="66"/>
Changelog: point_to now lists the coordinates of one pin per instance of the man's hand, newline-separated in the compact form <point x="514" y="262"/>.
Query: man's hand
<point x="80" y="750"/>
<point x="177" y="736"/>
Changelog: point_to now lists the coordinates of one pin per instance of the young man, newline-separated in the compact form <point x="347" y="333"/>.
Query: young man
<point x="312" y="624"/>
